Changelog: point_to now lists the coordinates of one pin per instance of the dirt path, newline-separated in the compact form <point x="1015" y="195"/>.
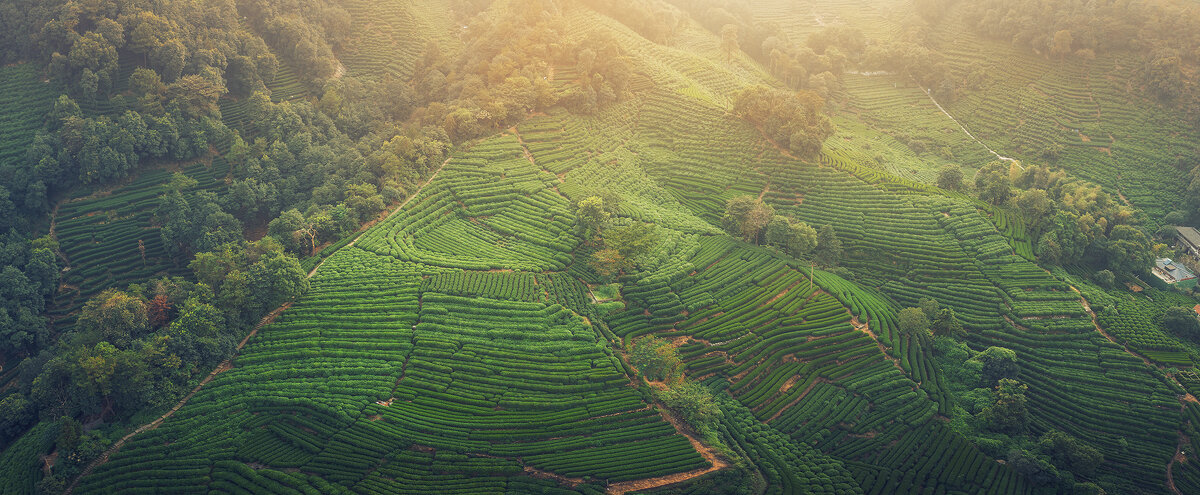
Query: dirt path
<point x="1178" y="457"/>
<point x="363" y="229"/>
<point x="866" y="328"/>
<point x="968" y="133"/>
<point x="221" y="368"/>
<point x="228" y="363"/>
<point x="1187" y="396"/>
<point x="644" y="484"/>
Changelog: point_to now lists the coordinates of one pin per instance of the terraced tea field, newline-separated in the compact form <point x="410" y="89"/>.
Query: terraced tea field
<point x="24" y="101"/>
<point x="470" y="342"/>
<point x="109" y="238"/>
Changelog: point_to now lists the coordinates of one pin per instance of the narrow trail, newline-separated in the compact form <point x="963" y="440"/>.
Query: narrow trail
<point x="228" y="363"/>
<point x="968" y="133"/>
<point x="363" y="229"/>
<point x="1184" y="399"/>
<point x="709" y="454"/>
<point x="866" y="328"/>
<point x="221" y="368"/>
<point x="1178" y="457"/>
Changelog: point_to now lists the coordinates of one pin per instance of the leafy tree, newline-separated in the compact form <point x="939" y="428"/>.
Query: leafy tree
<point x="1008" y="413"/>
<point x="998" y="363"/>
<point x="1037" y="469"/>
<point x="1182" y="322"/>
<point x="829" y="247"/>
<point x="69" y="434"/>
<point x="993" y="184"/>
<point x="1128" y="250"/>
<point x="593" y="216"/>
<point x="16" y="414"/>
<point x="929" y="306"/>
<point x="1068" y="452"/>
<point x="695" y="404"/>
<point x="1061" y="43"/>
<point x="792" y="120"/>
<point x="1035" y="206"/>
<point x="729" y="40"/>
<point x="912" y="321"/>
<point x="950" y="178"/>
<point x="655" y="358"/>
<point x="746" y="216"/>
<point x="1106" y="279"/>
<point x="115" y="316"/>
<point x="797" y="239"/>
<point x="276" y="278"/>
<point x="622" y="246"/>
<point x="609" y="263"/>
<point x="802" y="240"/>
<point x="946" y="324"/>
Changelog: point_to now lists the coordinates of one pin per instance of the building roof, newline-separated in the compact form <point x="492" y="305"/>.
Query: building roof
<point x="1176" y="271"/>
<point x="1189" y="234"/>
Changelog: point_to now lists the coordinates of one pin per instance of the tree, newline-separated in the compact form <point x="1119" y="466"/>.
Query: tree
<point x="1068" y="452"/>
<point x="592" y="216"/>
<point x="998" y="363"/>
<point x="622" y="246"/>
<point x="946" y="324"/>
<point x="1128" y="250"/>
<point x="196" y="95"/>
<point x="746" y="216"/>
<point x="829" y="247"/>
<point x="276" y="278"/>
<point x="912" y="321"/>
<point x="1061" y="43"/>
<point x="802" y="239"/>
<point x="1035" y="206"/>
<point x="993" y="184"/>
<point x="778" y="231"/>
<point x="695" y="404"/>
<point x="950" y="178"/>
<point x="609" y="263"/>
<point x="115" y="316"/>
<point x="929" y="306"/>
<point x="655" y="358"/>
<point x="729" y="40"/>
<point x="1008" y="413"/>
<point x="1182" y="322"/>
<point x="1106" y="279"/>
<point x="793" y="120"/>
<point x="16" y="413"/>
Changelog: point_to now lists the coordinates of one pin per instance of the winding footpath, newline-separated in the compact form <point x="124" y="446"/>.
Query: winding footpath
<point x="228" y="363"/>
<point x="617" y="488"/>
<point x="968" y="133"/>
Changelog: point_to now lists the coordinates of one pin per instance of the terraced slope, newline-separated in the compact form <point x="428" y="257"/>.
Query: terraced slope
<point x="109" y="239"/>
<point x="375" y="383"/>
<point x="24" y="101"/>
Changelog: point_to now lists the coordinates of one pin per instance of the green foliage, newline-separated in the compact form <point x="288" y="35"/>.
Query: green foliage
<point x="950" y="178"/>
<point x="1008" y="412"/>
<point x="593" y="216"/>
<point x="746" y="217"/>
<point x="1069" y="453"/>
<point x="792" y="120"/>
<point x="694" y="403"/>
<point x="829" y="247"/>
<point x="1182" y="322"/>
<point x="913" y="322"/>
<point x="997" y="363"/>
<point x="655" y="358"/>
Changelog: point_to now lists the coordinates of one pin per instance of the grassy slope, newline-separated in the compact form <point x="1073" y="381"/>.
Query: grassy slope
<point x="677" y="171"/>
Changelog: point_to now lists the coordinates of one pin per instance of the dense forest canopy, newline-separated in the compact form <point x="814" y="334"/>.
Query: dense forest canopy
<point x="589" y="246"/>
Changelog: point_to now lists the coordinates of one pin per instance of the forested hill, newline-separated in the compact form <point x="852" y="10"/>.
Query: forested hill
<point x="597" y="246"/>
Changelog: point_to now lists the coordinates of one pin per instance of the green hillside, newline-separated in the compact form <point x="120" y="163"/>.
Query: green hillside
<point x="596" y="246"/>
